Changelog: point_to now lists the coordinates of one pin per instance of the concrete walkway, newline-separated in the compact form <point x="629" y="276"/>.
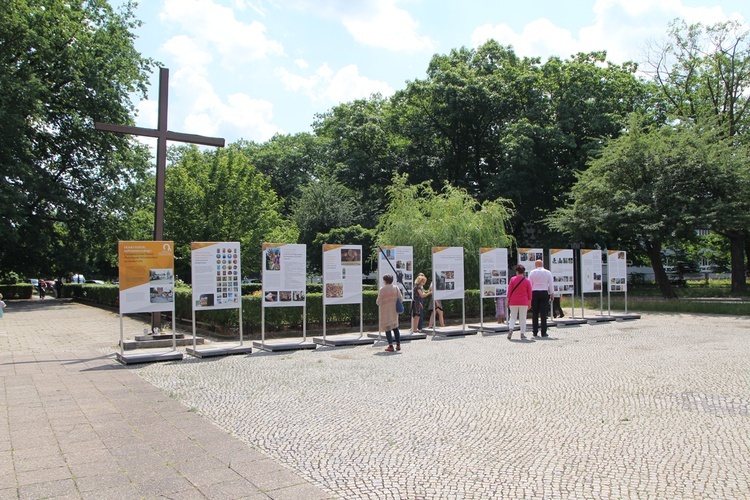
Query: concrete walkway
<point x="77" y="424"/>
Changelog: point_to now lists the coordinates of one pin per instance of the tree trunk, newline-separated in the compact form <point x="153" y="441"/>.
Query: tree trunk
<point x="653" y="250"/>
<point x="737" y="251"/>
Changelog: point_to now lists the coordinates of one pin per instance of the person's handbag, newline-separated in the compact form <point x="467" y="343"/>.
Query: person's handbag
<point x="399" y="306"/>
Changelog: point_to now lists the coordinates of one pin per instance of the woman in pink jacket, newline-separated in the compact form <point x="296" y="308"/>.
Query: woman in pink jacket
<point x="519" y="298"/>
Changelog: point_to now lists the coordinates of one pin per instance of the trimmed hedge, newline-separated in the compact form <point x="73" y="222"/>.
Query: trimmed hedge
<point x="278" y="318"/>
<point x="17" y="291"/>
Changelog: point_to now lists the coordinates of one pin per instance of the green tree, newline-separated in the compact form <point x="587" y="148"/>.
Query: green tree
<point x="324" y="204"/>
<point x="364" y="151"/>
<point x="352" y="235"/>
<point x="423" y="218"/>
<point x="651" y="187"/>
<point x="290" y="162"/>
<point x="499" y="125"/>
<point x="219" y="196"/>
<point x="64" y="65"/>
<point x="703" y="73"/>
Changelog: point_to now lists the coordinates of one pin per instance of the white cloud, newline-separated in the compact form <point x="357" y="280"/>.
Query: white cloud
<point x="388" y="27"/>
<point x="376" y="23"/>
<point x="209" y="24"/>
<point x="539" y="38"/>
<point x="301" y="63"/>
<point x="327" y="87"/>
<point x="621" y="27"/>
<point x="207" y="113"/>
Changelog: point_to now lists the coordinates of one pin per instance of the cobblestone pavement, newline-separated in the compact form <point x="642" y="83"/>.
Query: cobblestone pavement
<point x="74" y="423"/>
<point x="651" y="408"/>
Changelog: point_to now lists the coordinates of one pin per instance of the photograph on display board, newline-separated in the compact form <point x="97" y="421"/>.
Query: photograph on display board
<point x="334" y="290"/>
<point x="157" y="275"/>
<point x="161" y="294"/>
<point x="351" y="257"/>
<point x="273" y="259"/>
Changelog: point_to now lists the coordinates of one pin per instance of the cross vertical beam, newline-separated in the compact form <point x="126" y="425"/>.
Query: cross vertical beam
<point x="162" y="134"/>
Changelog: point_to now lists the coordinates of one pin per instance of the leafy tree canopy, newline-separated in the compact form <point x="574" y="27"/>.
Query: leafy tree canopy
<point x="219" y="196"/>
<point x="421" y="217"/>
<point x="63" y="65"/>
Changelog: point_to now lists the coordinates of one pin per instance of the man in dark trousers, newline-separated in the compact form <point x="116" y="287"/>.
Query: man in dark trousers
<point x="541" y="292"/>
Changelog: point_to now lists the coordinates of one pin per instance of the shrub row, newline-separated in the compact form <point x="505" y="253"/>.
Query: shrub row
<point x="17" y="291"/>
<point x="280" y="317"/>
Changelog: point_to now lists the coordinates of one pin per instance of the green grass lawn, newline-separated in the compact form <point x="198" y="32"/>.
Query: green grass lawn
<point x="713" y="297"/>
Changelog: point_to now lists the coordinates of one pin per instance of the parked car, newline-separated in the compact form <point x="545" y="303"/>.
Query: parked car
<point x="78" y="278"/>
<point x="96" y="282"/>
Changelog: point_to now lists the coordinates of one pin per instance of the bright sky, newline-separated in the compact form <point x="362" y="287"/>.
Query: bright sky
<point x="248" y="69"/>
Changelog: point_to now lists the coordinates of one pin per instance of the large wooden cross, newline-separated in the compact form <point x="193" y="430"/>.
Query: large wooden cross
<point x="163" y="135"/>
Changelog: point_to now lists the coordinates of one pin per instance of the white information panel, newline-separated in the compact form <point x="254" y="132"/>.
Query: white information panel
<point x="493" y="266"/>
<point x="284" y="274"/>
<point x="561" y="267"/>
<point x="527" y="257"/>
<point x="448" y="272"/>
<point x="216" y="274"/>
<point x="617" y="271"/>
<point x="342" y="274"/>
<point x="397" y="261"/>
<point x="146" y="276"/>
<point x="591" y="271"/>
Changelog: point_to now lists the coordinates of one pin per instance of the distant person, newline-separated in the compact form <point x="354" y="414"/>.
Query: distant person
<point x="58" y="288"/>
<point x="519" y="298"/>
<point x="501" y="308"/>
<point x="417" y="304"/>
<point x="387" y="314"/>
<point x="436" y="306"/>
<point x="542" y="287"/>
<point x="42" y="288"/>
<point x="557" y="311"/>
<point x="2" y="305"/>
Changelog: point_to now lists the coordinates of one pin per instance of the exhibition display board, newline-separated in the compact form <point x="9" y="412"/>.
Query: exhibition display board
<point x="284" y="277"/>
<point x="448" y="272"/>
<point x="216" y="272"/>
<point x="146" y="286"/>
<point x="342" y="274"/>
<point x="397" y="261"/>
<point x="284" y="274"/>
<point x="591" y="271"/>
<point x="146" y="276"/>
<point x="561" y="267"/>
<point x="493" y="272"/>
<point x="448" y="277"/>
<point x="493" y="276"/>
<point x="342" y="278"/>
<point x="527" y="256"/>
<point x="591" y="276"/>
<point x="617" y="271"/>
<point x="617" y="276"/>
<point x="216" y="275"/>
